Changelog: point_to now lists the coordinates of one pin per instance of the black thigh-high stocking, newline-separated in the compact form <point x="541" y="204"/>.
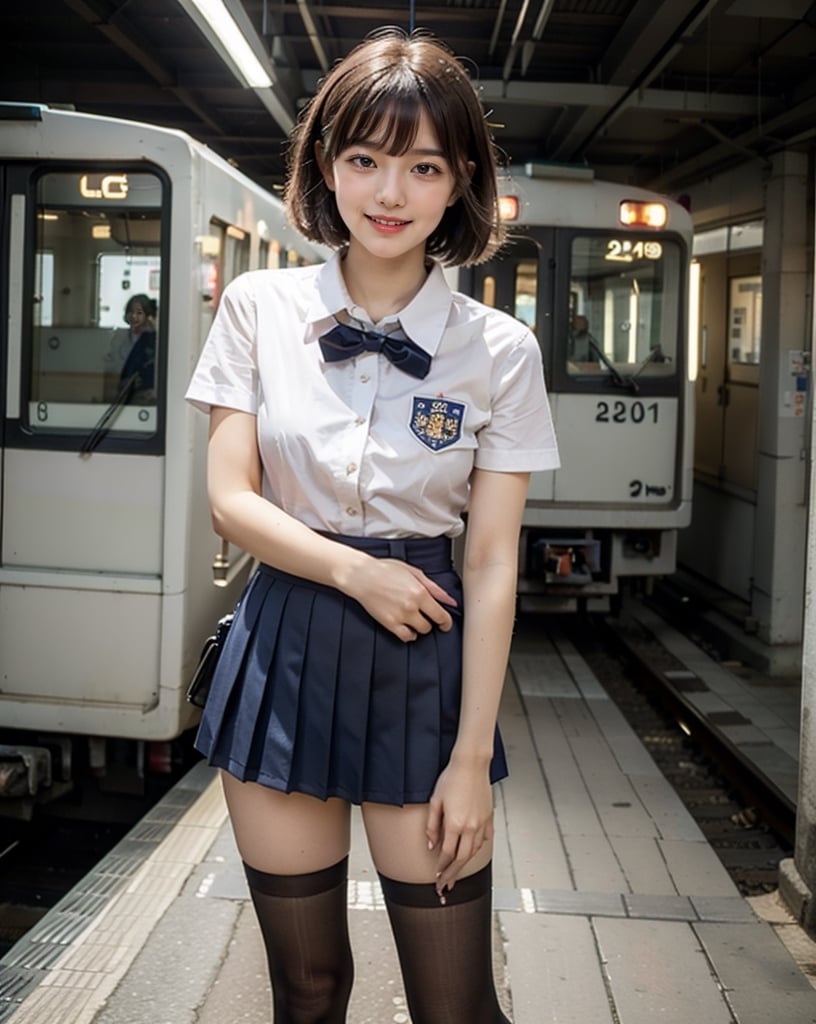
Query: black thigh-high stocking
<point x="445" y="952"/>
<point x="304" y="923"/>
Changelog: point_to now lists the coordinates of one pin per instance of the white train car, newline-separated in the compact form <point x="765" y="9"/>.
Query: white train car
<point x="600" y="271"/>
<point x="106" y="547"/>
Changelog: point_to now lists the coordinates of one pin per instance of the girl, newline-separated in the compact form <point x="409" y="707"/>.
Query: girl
<point x="357" y="409"/>
<point x="133" y="353"/>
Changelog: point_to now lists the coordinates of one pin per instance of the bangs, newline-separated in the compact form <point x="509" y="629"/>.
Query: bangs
<point x="391" y="129"/>
<point x="382" y="111"/>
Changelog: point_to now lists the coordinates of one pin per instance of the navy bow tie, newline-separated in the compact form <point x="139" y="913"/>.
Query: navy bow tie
<point x="344" y="342"/>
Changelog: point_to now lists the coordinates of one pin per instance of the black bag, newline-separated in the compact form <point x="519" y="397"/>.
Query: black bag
<point x="199" y="686"/>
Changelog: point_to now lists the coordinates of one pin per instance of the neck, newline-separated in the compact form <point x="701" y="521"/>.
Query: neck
<point x="383" y="287"/>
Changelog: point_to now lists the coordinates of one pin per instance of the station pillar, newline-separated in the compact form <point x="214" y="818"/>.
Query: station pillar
<point x="781" y="512"/>
<point x="797" y="876"/>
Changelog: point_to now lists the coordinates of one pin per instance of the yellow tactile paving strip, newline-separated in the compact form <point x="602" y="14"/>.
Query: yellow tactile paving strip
<point x="76" y="986"/>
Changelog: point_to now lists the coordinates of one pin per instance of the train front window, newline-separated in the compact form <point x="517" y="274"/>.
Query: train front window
<point x="96" y="310"/>
<point x="624" y="306"/>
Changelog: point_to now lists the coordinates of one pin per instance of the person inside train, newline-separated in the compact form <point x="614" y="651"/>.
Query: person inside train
<point x="580" y="340"/>
<point x="357" y="409"/>
<point x="140" y="365"/>
<point x="134" y="351"/>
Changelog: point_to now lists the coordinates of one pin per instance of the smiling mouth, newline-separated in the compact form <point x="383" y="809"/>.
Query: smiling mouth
<point x="388" y="222"/>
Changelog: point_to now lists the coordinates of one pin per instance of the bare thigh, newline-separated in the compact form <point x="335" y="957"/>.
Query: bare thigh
<point x="399" y="846"/>
<point x="286" y="833"/>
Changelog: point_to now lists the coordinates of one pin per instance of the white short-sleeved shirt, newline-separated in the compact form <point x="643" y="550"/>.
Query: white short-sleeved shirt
<point x="122" y="341"/>
<point x="360" y="447"/>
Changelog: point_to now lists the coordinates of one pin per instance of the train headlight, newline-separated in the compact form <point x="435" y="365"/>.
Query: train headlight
<point x="508" y="207"/>
<point x="635" y="214"/>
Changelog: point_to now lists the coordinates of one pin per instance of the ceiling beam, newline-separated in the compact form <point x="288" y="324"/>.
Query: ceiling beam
<point x="528" y="49"/>
<point x="602" y="97"/>
<point x="497" y="21"/>
<point x="771" y="136"/>
<point x="313" y="34"/>
<point x="647" y="42"/>
<point x="119" y="31"/>
<point x="514" y="39"/>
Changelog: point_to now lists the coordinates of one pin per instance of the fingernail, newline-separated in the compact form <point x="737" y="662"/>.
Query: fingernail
<point x="442" y="899"/>
<point x="430" y="845"/>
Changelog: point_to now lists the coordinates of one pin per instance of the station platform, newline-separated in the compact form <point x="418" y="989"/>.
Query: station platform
<point x="609" y="905"/>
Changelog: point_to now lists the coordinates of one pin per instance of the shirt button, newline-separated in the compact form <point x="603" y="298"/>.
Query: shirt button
<point x="364" y="378"/>
<point x="359" y="421"/>
<point x="351" y="468"/>
<point x="351" y="511"/>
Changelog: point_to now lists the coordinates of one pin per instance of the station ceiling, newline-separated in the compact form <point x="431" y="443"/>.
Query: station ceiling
<point x="660" y="93"/>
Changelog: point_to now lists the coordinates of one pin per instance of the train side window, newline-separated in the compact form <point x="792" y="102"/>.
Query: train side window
<point x="488" y="296"/>
<point x="272" y="255"/>
<point x="744" y="319"/>
<point x="97" y="259"/>
<point x="294" y="259"/>
<point x="624" y="306"/>
<point x="526" y="292"/>
<point x="225" y="254"/>
<point x="236" y="252"/>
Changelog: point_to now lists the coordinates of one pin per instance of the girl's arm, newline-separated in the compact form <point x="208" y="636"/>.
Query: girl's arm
<point x="460" y="819"/>
<point x="399" y="596"/>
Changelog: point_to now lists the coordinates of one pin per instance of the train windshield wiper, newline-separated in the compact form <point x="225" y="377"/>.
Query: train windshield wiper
<point x="656" y="355"/>
<point x="109" y="415"/>
<point x="618" y="378"/>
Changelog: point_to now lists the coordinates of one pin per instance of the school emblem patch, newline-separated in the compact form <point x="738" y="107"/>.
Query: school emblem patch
<point x="437" y="422"/>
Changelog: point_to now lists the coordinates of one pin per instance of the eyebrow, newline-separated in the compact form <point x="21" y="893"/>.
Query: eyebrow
<point x="377" y="144"/>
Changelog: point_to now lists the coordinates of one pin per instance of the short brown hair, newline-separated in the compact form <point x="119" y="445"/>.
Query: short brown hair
<point x="377" y="93"/>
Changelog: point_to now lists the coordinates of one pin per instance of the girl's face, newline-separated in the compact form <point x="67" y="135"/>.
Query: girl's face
<point x="391" y="204"/>
<point x="136" y="317"/>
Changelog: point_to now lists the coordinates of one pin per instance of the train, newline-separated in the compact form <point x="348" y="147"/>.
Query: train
<point x="107" y="549"/>
<point x="602" y="273"/>
<point x="108" y="558"/>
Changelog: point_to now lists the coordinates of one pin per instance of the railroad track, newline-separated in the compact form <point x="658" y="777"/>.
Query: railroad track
<point x="42" y="859"/>
<point x="747" y="820"/>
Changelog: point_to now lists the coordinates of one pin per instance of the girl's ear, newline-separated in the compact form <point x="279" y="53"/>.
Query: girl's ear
<point x="325" y="170"/>
<point x="470" y="167"/>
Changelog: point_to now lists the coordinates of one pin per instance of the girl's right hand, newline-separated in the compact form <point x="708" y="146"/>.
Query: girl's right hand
<point x="400" y="597"/>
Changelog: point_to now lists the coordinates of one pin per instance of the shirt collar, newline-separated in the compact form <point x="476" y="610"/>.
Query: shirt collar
<point x="423" y="320"/>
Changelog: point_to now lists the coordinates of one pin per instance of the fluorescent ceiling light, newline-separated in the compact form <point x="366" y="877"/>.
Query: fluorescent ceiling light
<point x="228" y="36"/>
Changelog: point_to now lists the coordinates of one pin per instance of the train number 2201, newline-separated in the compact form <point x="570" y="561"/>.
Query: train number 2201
<point x="626" y="412"/>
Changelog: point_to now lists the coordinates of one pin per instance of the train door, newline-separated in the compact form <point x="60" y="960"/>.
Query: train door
<point x="727" y="397"/>
<point x="520" y="282"/>
<point x="83" y="425"/>
<point x="727" y="403"/>
<point x="225" y="253"/>
<point x="9" y="325"/>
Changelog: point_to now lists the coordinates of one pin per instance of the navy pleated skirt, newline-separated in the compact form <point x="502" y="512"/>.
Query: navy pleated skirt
<point x="312" y="695"/>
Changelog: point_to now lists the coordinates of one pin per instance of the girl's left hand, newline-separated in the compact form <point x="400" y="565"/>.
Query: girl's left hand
<point x="460" y="819"/>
